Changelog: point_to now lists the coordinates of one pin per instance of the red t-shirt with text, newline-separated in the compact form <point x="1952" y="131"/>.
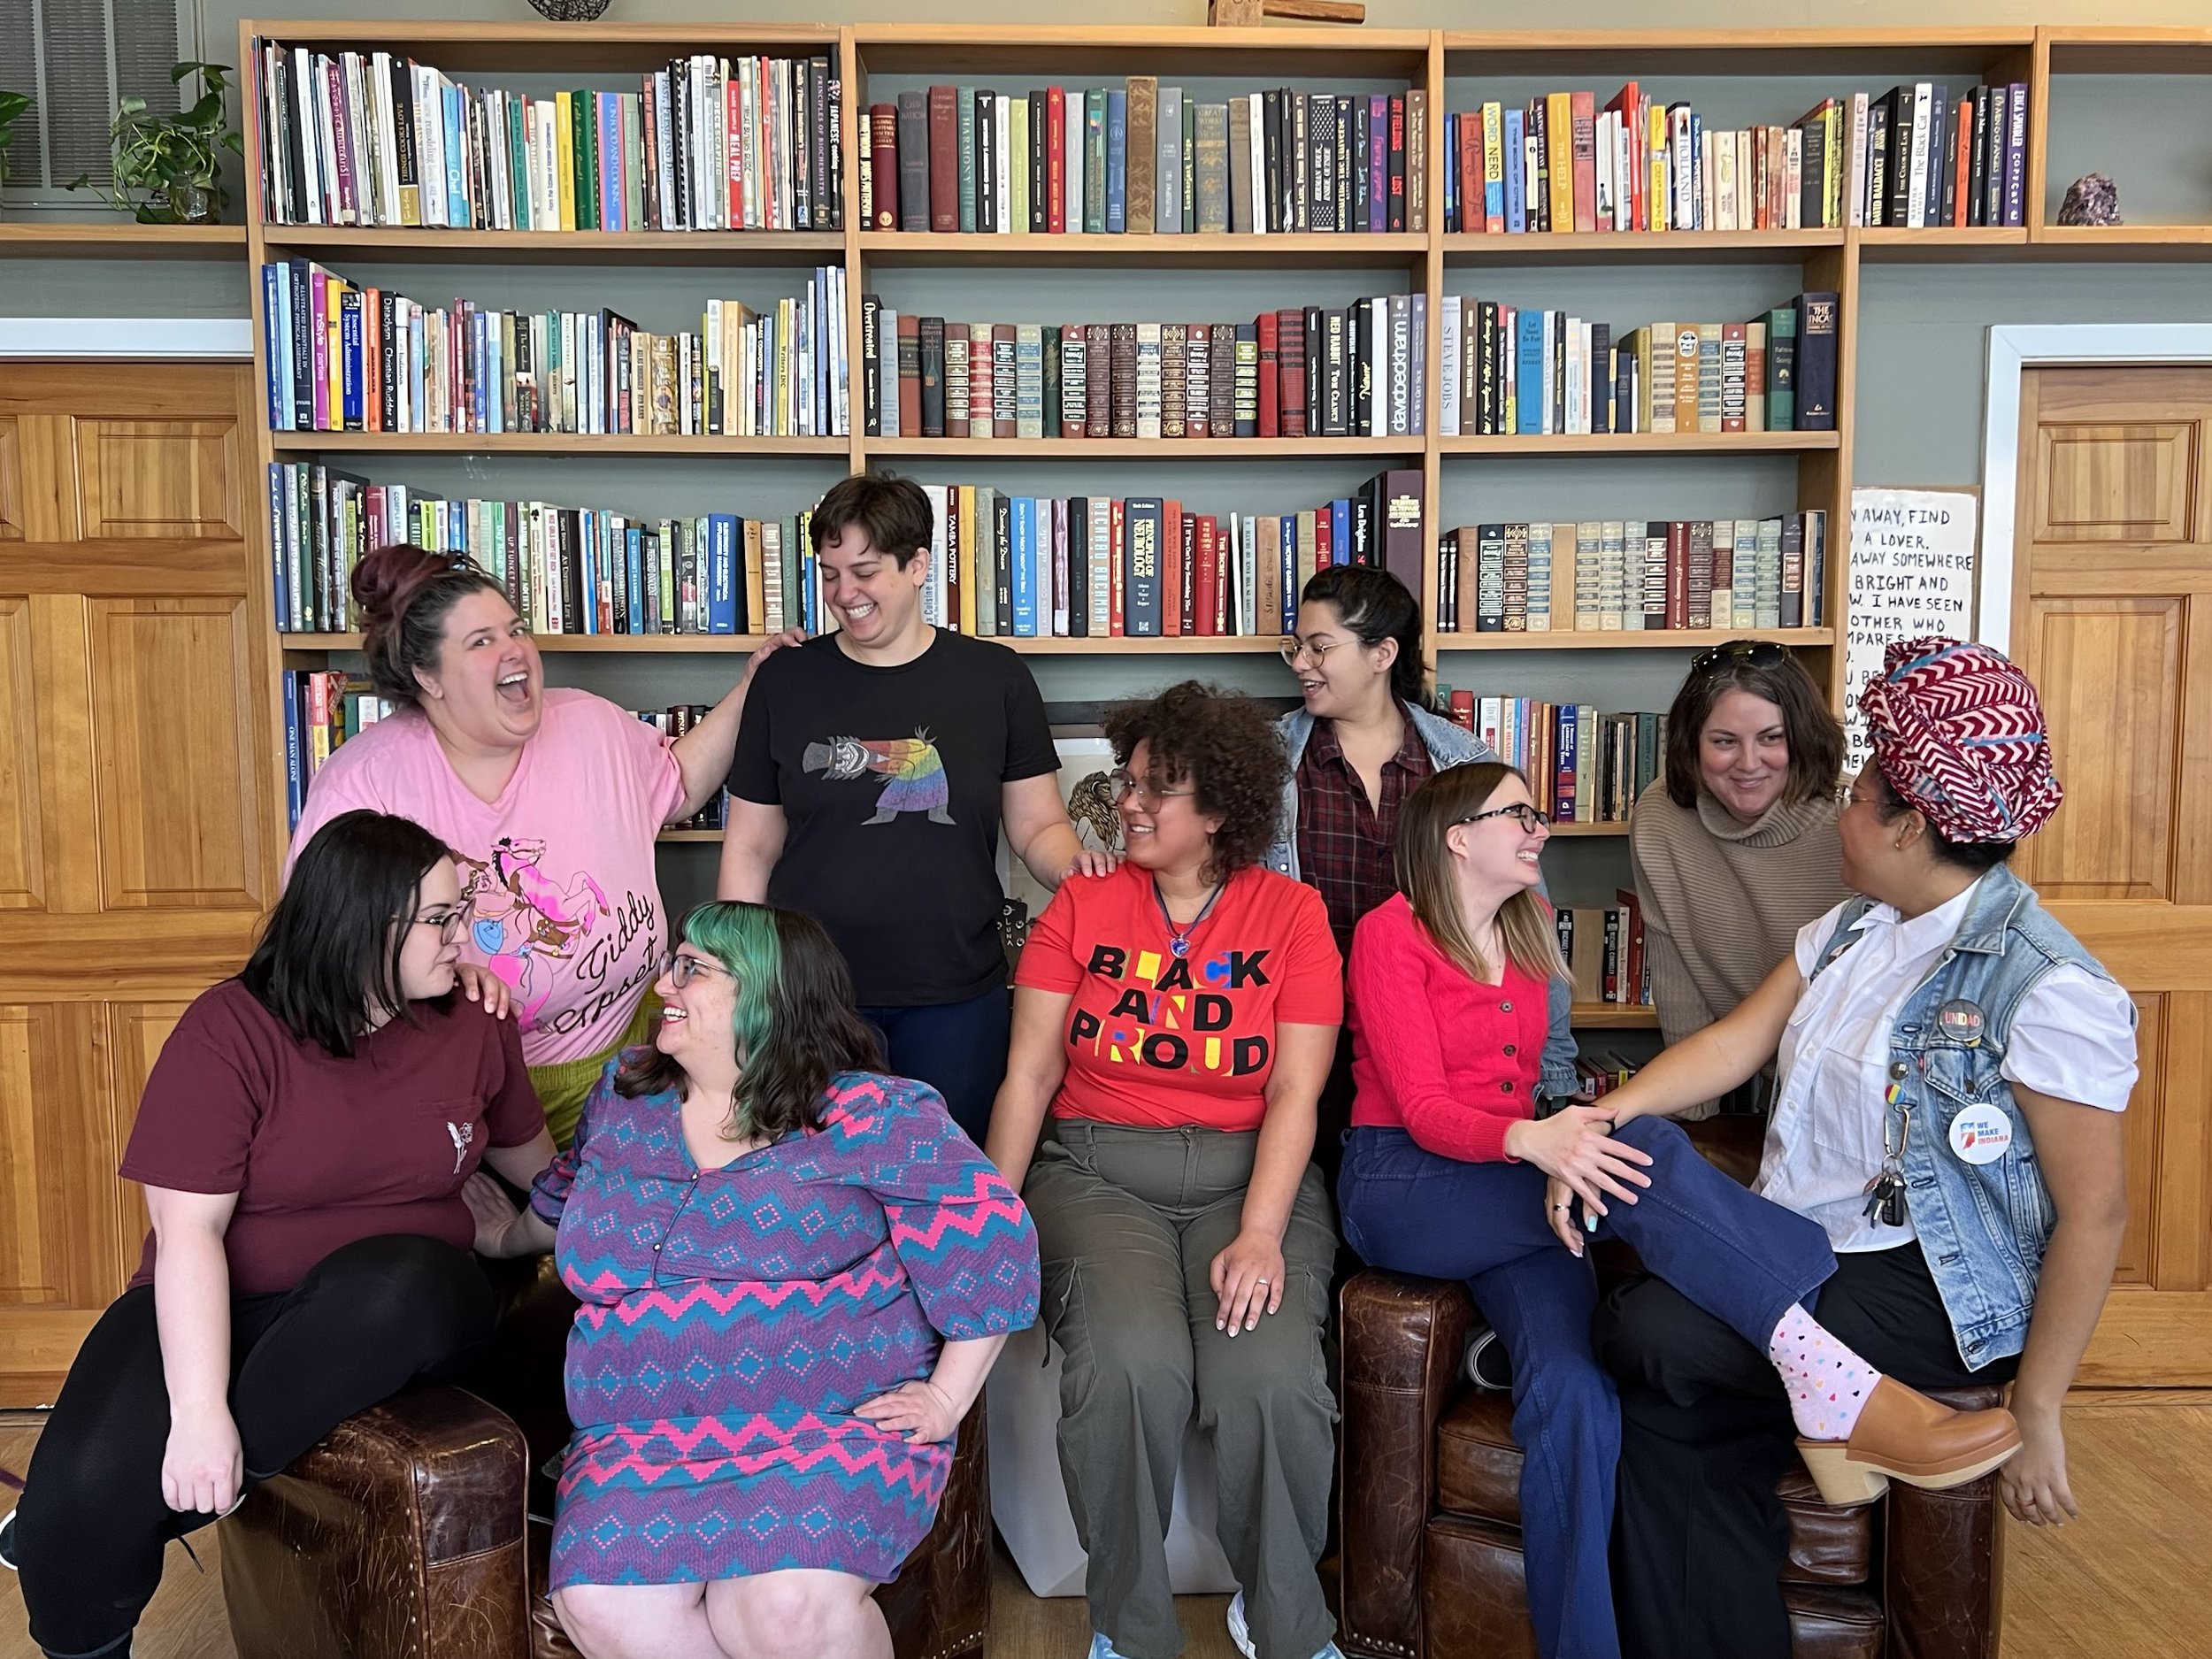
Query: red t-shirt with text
<point x="1156" y="1040"/>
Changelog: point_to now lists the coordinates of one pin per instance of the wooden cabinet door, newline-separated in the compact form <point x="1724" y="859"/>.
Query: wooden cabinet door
<point x="2112" y="607"/>
<point x="135" y="761"/>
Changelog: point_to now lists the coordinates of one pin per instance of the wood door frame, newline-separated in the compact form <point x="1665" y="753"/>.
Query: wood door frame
<point x="2014" y="348"/>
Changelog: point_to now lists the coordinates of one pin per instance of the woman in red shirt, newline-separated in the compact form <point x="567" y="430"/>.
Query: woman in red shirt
<point x="1175" y="1018"/>
<point x="303" y="1140"/>
<point x="1446" y="1175"/>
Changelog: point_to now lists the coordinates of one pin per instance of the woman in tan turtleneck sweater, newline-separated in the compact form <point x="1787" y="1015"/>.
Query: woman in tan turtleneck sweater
<point x="1734" y="846"/>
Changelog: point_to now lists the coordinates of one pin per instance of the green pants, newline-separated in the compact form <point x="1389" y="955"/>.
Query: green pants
<point x="563" y="1086"/>
<point x="1128" y="1223"/>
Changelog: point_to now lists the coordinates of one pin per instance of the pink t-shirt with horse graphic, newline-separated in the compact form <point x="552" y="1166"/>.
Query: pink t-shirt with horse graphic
<point x="558" y="873"/>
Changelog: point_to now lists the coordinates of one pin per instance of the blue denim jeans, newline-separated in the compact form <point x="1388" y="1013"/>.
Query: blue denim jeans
<point x="958" y="1048"/>
<point x="1741" y="1259"/>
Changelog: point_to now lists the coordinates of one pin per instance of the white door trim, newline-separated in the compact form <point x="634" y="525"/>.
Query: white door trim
<point x="2014" y="348"/>
<point x="126" y="337"/>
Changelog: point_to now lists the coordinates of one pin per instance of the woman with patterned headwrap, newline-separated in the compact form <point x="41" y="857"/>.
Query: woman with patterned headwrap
<point x="1951" y="1068"/>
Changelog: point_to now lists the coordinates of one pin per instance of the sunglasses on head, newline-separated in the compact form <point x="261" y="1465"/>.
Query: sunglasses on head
<point x="1757" y="653"/>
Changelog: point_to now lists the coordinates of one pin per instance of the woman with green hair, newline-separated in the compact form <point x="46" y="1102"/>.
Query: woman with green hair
<point x="796" y="1274"/>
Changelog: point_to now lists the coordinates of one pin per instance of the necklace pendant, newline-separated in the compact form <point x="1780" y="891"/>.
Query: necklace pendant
<point x="1178" y="946"/>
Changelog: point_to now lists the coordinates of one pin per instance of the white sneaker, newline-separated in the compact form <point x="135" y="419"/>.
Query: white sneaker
<point x="1100" y="1648"/>
<point x="1240" y="1633"/>
<point x="7" y="1540"/>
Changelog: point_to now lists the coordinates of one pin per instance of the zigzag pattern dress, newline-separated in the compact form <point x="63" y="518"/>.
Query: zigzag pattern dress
<point x="732" y="1319"/>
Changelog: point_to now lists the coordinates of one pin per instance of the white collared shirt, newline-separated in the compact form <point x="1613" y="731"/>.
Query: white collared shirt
<point x="2072" y="1039"/>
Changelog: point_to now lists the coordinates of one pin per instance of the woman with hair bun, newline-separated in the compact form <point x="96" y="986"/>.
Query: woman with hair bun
<point x="549" y="798"/>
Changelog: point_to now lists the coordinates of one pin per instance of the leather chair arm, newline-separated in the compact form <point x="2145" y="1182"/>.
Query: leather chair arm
<point x="397" y="1536"/>
<point x="1403" y="1341"/>
<point x="1943" y="1560"/>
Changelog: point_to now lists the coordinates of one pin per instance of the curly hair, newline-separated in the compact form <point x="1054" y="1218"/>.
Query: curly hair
<point x="1224" y="745"/>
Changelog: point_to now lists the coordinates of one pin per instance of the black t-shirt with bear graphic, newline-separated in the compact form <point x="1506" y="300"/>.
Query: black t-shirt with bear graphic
<point x="889" y="779"/>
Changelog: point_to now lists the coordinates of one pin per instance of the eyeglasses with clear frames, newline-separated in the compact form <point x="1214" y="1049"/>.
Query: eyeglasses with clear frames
<point x="1292" y="647"/>
<point x="1121" y="786"/>
<point x="682" y="969"/>
<point x="447" y="920"/>
<point x="1530" y="819"/>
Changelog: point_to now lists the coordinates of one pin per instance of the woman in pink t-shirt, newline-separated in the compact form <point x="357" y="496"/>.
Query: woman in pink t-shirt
<point x="550" y="798"/>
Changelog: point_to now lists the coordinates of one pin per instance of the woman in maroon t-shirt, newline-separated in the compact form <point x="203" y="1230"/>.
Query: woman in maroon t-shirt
<point x="303" y="1140"/>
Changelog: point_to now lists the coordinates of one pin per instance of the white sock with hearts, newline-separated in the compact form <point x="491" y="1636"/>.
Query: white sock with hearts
<point x="1828" y="1384"/>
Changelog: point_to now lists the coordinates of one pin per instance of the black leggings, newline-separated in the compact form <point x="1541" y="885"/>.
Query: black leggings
<point x="367" y="1319"/>
<point x="1706" y="1433"/>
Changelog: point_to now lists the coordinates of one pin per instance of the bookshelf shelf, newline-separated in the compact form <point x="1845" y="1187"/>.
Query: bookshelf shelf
<point x="1651" y="54"/>
<point x="560" y="247"/>
<point x="683" y="836"/>
<point x="1629" y="640"/>
<point x="120" y="239"/>
<point x="1579" y="829"/>
<point x="1140" y="449"/>
<point x="1677" y="247"/>
<point x="1616" y="1016"/>
<point x="982" y="50"/>
<point x="1644" y="443"/>
<point x="1233" y="250"/>
<point x="687" y="644"/>
<point x="1889" y="244"/>
<point x="549" y="443"/>
<point x="2123" y="242"/>
<point x="598" y="49"/>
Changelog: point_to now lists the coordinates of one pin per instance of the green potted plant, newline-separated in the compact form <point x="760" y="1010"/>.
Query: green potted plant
<point x="11" y="107"/>
<point x="167" y="167"/>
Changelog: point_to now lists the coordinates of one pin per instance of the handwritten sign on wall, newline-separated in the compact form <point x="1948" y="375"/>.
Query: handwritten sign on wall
<point x="1913" y="566"/>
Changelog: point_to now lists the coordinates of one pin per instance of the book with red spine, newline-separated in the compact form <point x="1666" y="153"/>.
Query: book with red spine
<point x="1290" y="353"/>
<point x="1583" y="116"/>
<point x="883" y="164"/>
<point x="1269" y="330"/>
<point x="1174" y="594"/>
<point x="1186" y="555"/>
<point x="1209" y="574"/>
<point x="1056" y="160"/>
<point x="1119" y="567"/>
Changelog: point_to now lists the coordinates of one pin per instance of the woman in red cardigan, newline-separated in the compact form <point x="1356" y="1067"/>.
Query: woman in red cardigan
<point x="1446" y="1175"/>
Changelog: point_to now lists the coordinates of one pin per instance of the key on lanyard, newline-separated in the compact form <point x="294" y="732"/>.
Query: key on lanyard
<point x="1885" y="1193"/>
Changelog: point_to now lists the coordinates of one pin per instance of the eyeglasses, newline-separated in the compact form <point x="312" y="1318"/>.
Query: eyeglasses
<point x="447" y="921"/>
<point x="1293" y="647"/>
<point x="1757" y="653"/>
<point x="1521" y="812"/>
<point x="1121" y="786"/>
<point x="682" y="969"/>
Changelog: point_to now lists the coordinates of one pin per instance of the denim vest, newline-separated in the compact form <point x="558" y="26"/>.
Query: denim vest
<point x="1982" y="1226"/>
<point x="1448" y="745"/>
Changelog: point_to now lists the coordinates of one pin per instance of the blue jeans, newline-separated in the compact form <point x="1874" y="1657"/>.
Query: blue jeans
<point x="958" y="1048"/>
<point x="1739" y="1257"/>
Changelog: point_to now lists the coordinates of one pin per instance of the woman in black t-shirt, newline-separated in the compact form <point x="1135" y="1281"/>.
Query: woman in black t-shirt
<point x="875" y="768"/>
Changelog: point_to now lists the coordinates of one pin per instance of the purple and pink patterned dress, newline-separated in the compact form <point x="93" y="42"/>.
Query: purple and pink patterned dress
<point x="732" y="1319"/>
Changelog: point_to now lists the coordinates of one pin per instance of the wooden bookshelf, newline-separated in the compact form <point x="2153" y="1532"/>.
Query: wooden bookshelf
<point x="1683" y="640"/>
<point x="1435" y="262"/>
<point x="1614" y="1017"/>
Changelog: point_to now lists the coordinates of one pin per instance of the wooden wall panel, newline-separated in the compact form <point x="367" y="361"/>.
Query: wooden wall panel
<point x="22" y="851"/>
<point x="57" y="1150"/>
<point x="2141" y="1123"/>
<point x="11" y="480"/>
<point x="157" y="478"/>
<point x="2111" y="482"/>
<point x="179" y="823"/>
<point x="2110" y="670"/>
<point x="138" y="1029"/>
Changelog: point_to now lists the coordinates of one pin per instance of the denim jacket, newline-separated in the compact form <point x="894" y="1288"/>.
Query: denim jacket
<point x="1982" y="1226"/>
<point x="1448" y="745"/>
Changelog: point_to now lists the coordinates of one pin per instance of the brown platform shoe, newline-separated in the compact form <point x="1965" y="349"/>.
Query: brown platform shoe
<point x="1903" y="1434"/>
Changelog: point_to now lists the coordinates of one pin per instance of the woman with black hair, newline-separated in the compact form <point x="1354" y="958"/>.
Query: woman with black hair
<point x="303" y="1140"/>
<point x="1367" y="735"/>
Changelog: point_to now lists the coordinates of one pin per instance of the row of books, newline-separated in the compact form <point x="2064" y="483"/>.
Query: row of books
<point x="344" y="358"/>
<point x="1510" y="370"/>
<point x="1583" y="766"/>
<point x="322" y="708"/>
<point x="1096" y="567"/>
<point x="1601" y="1070"/>
<point x="1355" y="371"/>
<point x="1142" y="158"/>
<point x="675" y="721"/>
<point x="1604" y="948"/>
<point x="566" y="570"/>
<point x="707" y="143"/>
<point x="1911" y="157"/>
<point x="1633" y="575"/>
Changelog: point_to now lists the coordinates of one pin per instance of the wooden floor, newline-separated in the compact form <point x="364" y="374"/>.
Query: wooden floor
<point x="2123" y="1579"/>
